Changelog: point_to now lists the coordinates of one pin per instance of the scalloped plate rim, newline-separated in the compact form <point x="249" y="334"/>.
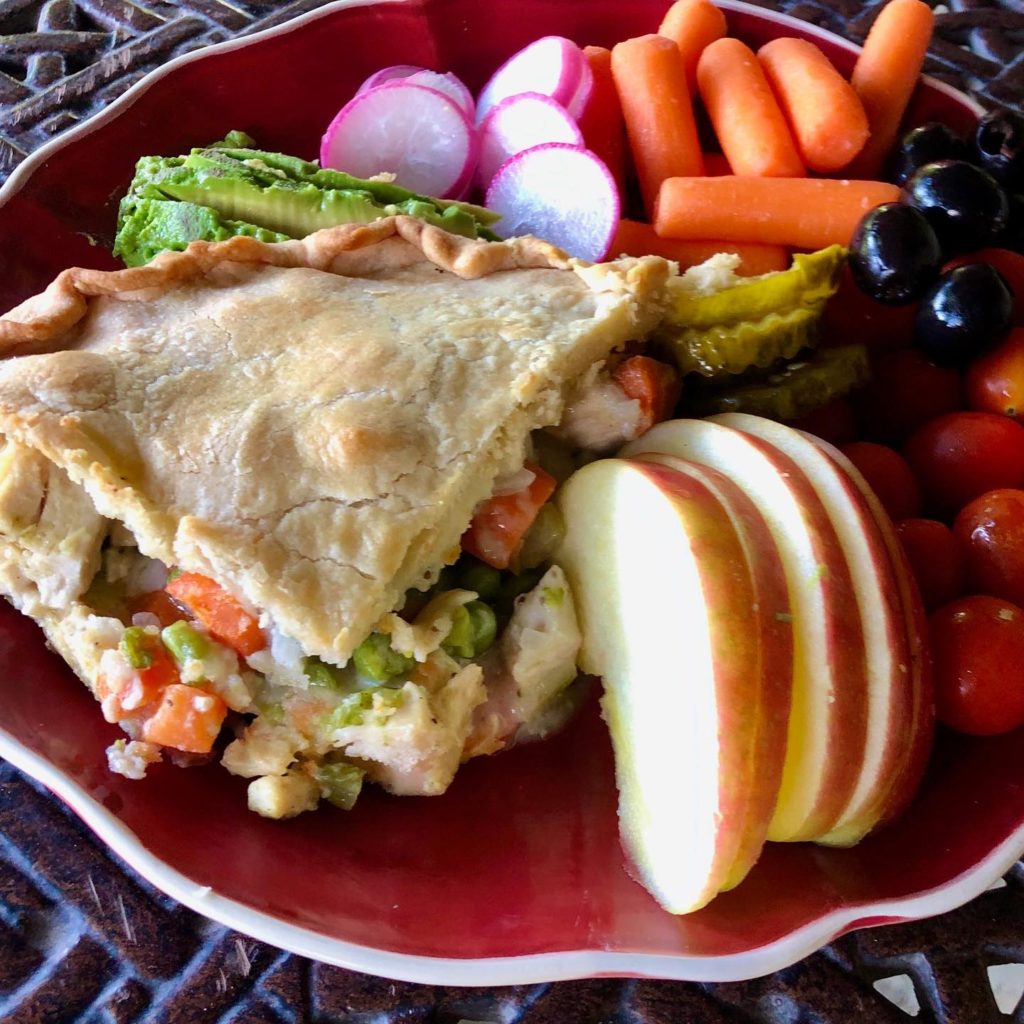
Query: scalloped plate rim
<point x="511" y="970"/>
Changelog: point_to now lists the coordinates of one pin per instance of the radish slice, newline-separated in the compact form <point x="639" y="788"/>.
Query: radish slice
<point x="420" y="135"/>
<point x="559" y="192"/>
<point x="450" y="85"/>
<point x="390" y="74"/>
<point x="521" y="122"/>
<point x="552" y="66"/>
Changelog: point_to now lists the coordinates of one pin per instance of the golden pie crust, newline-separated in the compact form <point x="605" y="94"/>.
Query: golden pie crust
<point x="310" y="423"/>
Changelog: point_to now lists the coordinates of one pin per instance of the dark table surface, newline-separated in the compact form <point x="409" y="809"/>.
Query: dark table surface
<point x="82" y="938"/>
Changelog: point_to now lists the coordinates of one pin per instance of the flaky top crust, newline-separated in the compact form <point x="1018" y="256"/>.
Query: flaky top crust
<point x="311" y="423"/>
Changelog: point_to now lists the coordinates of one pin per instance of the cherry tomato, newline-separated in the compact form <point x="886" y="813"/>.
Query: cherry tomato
<point x="835" y="421"/>
<point x="888" y="475"/>
<point x="963" y="454"/>
<point x="1009" y="263"/>
<point x="995" y="381"/>
<point x="978" y="650"/>
<point x="905" y="392"/>
<point x="851" y="318"/>
<point x="936" y="559"/>
<point x="990" y="531"/>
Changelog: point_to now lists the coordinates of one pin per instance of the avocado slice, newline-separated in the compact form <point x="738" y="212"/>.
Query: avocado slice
<point x="244" y="190"/>
<point x="150" y="226"/>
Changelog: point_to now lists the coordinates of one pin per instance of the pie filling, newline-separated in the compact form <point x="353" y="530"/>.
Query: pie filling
<point x="483" y="659"/>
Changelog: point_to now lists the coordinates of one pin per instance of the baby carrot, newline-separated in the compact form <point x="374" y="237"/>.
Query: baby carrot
<point x="692" y="25"/>
<point x="634" y="238"/>
<point x="750" y="126"/>
<point x="825" y="114"/>
<point x="805" y="213"/>
<point x="886" y="73"/>
<point x="656" y="105"/>
<point x="601" y="120"/>
<point x="716" y="163"/>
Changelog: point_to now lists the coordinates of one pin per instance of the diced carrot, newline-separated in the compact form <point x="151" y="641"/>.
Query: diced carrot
<point x="634" y="238"/>
<point x="141" y="688"/>
<point x="604" y="131"/>
<point x="500" y="523"/>
<point x="886" y="74"/>
<point x="825" y="114"/>
<point x="186" y="718"/>
<point x="656" y="104"/>
<point x="224" y="617"/>
<point x="158" y="603"/>
<point x="654" y="384"/>
<point x="692" y="25"/>
<point x="804" y="213"/>
<point x="747" y="119"/>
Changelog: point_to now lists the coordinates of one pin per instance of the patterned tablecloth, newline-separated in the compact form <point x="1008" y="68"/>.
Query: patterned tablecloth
<point x="84" y="939"/>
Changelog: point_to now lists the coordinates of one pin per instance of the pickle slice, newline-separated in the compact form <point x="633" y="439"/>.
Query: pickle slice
<point x="719" y="324"/>
<point x="792" y="392"/>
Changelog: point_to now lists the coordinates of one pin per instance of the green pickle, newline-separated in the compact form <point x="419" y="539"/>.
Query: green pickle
<point x="795" y="391"/>
<point x="755" y="322"/>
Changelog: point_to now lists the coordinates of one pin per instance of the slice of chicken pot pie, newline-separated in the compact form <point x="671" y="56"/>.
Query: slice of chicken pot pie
<point x="232" y="481"/>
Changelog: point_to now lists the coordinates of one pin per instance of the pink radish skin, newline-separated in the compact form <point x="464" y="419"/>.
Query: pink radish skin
<point x="521" y="122"/>
<point x="553" y="66"/>
<point x="559" y="192"/>
<point x="420" y="135"/>
<point x="450" y="85"/>
<point x="391" y="74"/>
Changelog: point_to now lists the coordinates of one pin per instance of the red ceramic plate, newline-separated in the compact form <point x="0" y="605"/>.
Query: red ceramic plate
<point x="515" y="874"/>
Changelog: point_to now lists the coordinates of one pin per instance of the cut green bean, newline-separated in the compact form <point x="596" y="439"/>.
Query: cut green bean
<point x="136" y="646"/>
<point x="185" y="642"/>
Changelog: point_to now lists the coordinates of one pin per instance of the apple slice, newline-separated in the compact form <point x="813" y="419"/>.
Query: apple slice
<point x="890" y="693"/>
<point x="767" y="704"/>
<point x="660" y="572"/>
<point x="917" y="743"/>
<point x="828" y="721"/>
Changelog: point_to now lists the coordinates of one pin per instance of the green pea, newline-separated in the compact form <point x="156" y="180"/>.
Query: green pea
<point x="459" y="641"/>
<point x="484" y="580"/>
<point x="342" y="783"/>
<point x="320" y="673"/>
<point x="185" y="642"/>
<point x="485" y="626"/>
<point x="375" y="659"/>
<point x="136" y="646"/>
<point x="474" y="627"/>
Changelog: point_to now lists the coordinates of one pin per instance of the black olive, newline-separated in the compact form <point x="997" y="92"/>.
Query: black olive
<point x="924" y="145"/>
<point x="963" y="203"/>
<point x="999" y="142"/>
<point x="965" y="312"/>
<point x="1013" y="236"/>
<point x="894" y="255"/>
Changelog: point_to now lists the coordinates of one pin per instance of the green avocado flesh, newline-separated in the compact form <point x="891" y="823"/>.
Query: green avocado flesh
<point x="230" y="188"/>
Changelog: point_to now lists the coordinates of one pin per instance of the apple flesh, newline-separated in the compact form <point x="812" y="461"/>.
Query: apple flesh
<point x="661" y="569"/>
<point x="828" y="725"/>
<point x="767" y="704"/>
